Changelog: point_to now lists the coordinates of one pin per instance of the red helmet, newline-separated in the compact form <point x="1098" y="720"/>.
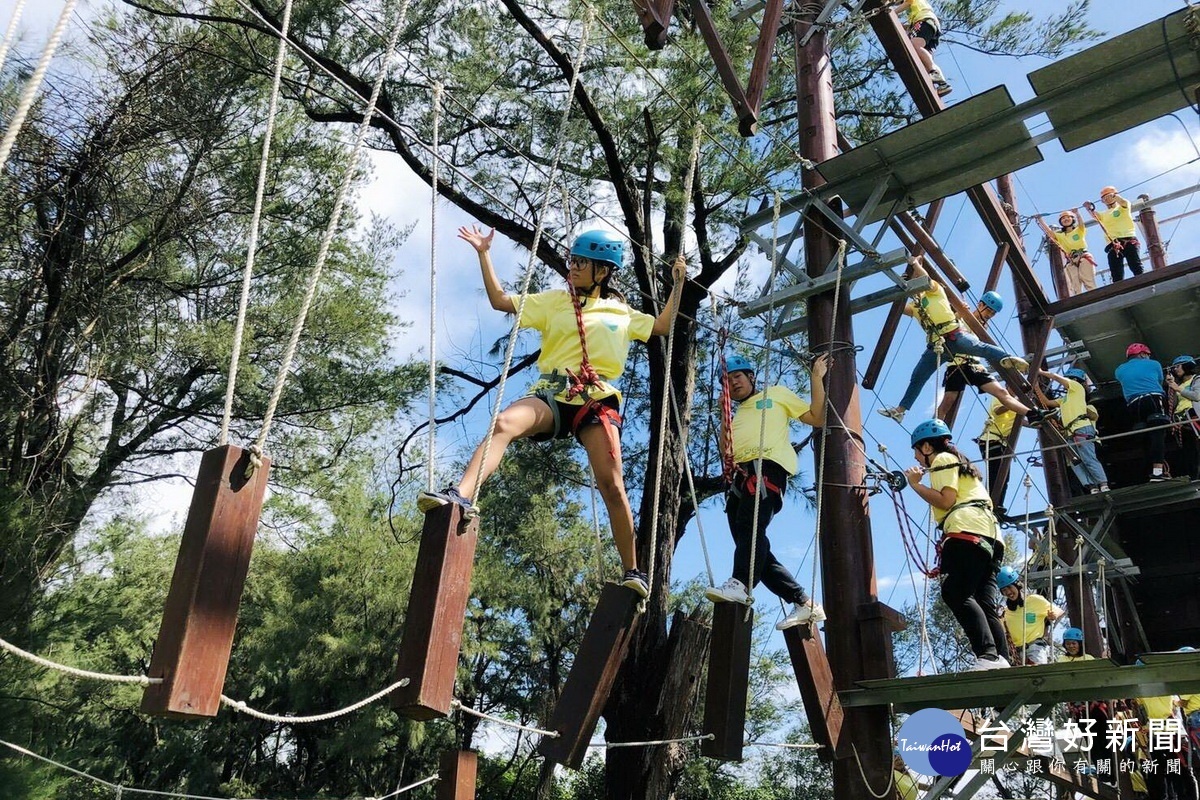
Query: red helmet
<point x="1136" y="349"/>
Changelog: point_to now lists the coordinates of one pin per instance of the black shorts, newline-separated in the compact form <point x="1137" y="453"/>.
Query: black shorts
<point x="925" y="30"/>
<point x="565" y="413"/>
<point x="958" y="376"/>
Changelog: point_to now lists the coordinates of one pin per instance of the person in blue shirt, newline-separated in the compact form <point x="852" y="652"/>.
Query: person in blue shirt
<point x="1141" y="379"/>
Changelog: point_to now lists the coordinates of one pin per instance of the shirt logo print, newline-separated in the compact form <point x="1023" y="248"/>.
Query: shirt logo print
<point x="765" y="403"/>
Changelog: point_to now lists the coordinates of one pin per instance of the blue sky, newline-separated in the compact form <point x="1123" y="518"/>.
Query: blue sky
<point x="1135" y="162"/>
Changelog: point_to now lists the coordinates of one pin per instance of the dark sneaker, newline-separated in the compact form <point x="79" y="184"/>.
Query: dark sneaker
<point x="1036" y="416"/>
<point x="428" y="501"/>
<point x="942" y="88"/>
<point x="636" y="580"/>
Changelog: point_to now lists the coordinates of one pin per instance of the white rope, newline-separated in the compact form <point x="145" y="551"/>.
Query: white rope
<point x="141" y="680"/>
<point x="11" y="33"/>
<point x="120" y="789"/>
<point x="887" y="790"/>
<point x="457" y="704"/>
<point x="1103" y="581"/>
<point x="674" y="297"/>
<point x="290" y="719"/>
<point x="29" y="94"/>
<point x="255" y="220"/>
<point x="560" y="140"/>
<point x="613" y="745"/>
<point x="334" y="218"/>
<point x="786" y="745"/>
<point x="433" y="197"/>
<point x="687" y="464"/>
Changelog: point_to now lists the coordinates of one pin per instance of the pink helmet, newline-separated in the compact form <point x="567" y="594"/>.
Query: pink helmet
<point x="1136" y="349"/>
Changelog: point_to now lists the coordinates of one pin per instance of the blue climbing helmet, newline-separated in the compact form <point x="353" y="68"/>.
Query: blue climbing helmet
<point x="1187" y="648"/>
<point x="1075" y="373"/>
<point x="929" y="429"/>
<point x="993" y="300"/>
<point x="1007" y="576"/>
<point x="1073" y="635"/>
<point x="1183" y="361"/>
<point x="599" y="245"/>
<point x="738" y="364"/>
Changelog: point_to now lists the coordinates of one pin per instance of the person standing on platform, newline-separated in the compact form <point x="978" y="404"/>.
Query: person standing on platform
<point x="1116" y="219"/>
<point x="1141" y="379"/>
<point x="1182" y="382"/>
<point x="1079" y="266"/>
<point x="573" y="396"/>
<point x="1080" y="427"/>
<point x="993" y="447"/>
<point x="758" y="435"/>
<point x="949" y="338"/>
<point x="970" y="548"/>
<point x="925" y="31"/>
<point x="1028" y="618"/>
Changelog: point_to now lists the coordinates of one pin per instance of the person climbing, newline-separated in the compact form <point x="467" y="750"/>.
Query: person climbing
<point x="970" y="548"/>
<point x="754" y="441"/>
<point x="1080" y="425"/>
<point x="1116" y="220"/>
<point x="1028" y="618"/>
<point x="586" y="333"/>
<point x="1141" y="379"/>
<point x="993" y="448"/>
<point x="1072" y="640"/>
<point x="925" y="31"/>
<point x="1161" y="780"/>
<point x="1088" y="714"/>
<point x="949" y="338"/>
<point x="1182" y="382"/>
<point x="1079" y="266"/>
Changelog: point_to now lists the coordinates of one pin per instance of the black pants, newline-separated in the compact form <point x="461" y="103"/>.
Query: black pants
<point x="1189" y="440"/>
<point x="739" y="510"/>
<point x="1148" y="412"/>
<point x="992" y="451"/>
<point x="969" y="591"/>
<point x="1170" y="787"/>
<point x="1127" y="252"/>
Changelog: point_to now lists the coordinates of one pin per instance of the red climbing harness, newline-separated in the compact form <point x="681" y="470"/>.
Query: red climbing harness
<point x="610" y="418"/>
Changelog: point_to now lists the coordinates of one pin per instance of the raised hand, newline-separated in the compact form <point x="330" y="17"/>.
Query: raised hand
<point x="477" y="238"/>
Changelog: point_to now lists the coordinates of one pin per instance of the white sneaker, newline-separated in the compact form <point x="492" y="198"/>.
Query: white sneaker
<point x="989" y="662"/>
<point x="896" y="413"/>
<point x="732" y="591"/>
<point x="802" y="615"/>
<point x="1015" y="362"/>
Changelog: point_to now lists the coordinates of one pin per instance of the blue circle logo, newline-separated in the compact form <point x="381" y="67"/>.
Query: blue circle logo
<point x="932" y="743"/>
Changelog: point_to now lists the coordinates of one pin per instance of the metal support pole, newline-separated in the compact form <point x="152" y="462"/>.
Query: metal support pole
<point x="847" y="555"/>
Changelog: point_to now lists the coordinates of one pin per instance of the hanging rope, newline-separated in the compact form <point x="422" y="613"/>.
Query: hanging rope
<point x="291" y="719"/>
<point x="1103" y="581"/>
<point x="141" y="680"/>
<point x="255" y="221"/>
<point x="433" y="197"/>
<point x="687" y="465"/>
<point x="560" y="139"/>
<point x="330" y="230"/>
<point x="674" y="298"/>
<point x="11" y="33"/>
<point x="29" y="94"/>
<point x="457" y="705"/>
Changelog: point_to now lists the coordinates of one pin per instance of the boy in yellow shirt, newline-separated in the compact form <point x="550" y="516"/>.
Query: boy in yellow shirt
<point x="925" y="31"/>
<point x="1077" y="419"/>
<point x="1116" y="219"/>
<point x="1027" y="618"/>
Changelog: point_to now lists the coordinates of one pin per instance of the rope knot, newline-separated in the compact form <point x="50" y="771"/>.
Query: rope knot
<point x="256" y="462"/>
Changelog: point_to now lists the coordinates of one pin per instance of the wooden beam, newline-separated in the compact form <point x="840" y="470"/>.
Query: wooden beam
<point x="761" y="67"/>
<point x="993" y="278"/>
<point x="728" y="681"/>
<point x="886" y="335"/>
<point x="934" y="212"/>
<point x="720" y="57"/>
<point x="195" y="638"/>
<point x="934" y="251"/>
<point x="655" y="19"/>
<point x="437" y="607"/>
<point x="456" y="777"/>
<point x="592" y="674"/>
<point x="815" y="679"/>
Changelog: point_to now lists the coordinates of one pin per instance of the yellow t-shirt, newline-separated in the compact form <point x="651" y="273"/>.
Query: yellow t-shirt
<point x="944" y="472"/>
<point x="1074" y="407"/>
<point x="919" y="10"/>
<point x="1072" y="240"/>
<point x="1084" y="657"/>
<point x="906" y="787"/>
<point x="1191" y="702"/>
<point x="932" y="309"/>
<point x="999" y="423"/>
<point x="609" y="324"/>
<point x="781" y="405"/>
<point x="1158" y="707"/>
<point x="1027" y="623"/>
<point x="1182" y="404"/>
<point x="1117" y="221"/>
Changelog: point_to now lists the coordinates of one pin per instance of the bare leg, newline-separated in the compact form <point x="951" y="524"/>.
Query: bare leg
<point x="528" y="416"/>
<point x="923" y="54"/>
<point x="610" y="481"/>
<point x="947" y="404"/>
<point x="1006" y="399"/>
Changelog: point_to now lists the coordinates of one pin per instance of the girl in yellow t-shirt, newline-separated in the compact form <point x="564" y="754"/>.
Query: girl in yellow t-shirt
<point x="971" y="547"/>
<point x="1028" y="618"/>
<point x="1079" y="266"/>
<point x="573" y="395"/>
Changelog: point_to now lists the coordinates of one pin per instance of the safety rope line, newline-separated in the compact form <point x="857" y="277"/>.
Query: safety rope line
<point x="11" y="33"/>
<point x="560" y="140"/>
<point x="691" y="480"/>
<point x="121" y="789"/>
<point x="458" y="706"/>
<point x="330" y="229"/>
<point x="431" y="456"/>
<point x="785" y="745"/>
<point x="674" y="298"/>
<point x="290" y="719"/>
<point x="141" y="680"/>
<point x="887" y="790"/>
<point x="239" y="326"/>
<point x="726" y="430"/>
<point x="1103" y="581"/>
<point x="29" y="93"/>
<point x="707" y="737"/>
<point x="1028" y="484"/>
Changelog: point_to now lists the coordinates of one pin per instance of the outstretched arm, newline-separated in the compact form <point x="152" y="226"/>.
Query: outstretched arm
<point x="662" y="323"/>
<point x="815" y="416"/>
<point x="1045" y="228"/>
<point x="483" y="246"/>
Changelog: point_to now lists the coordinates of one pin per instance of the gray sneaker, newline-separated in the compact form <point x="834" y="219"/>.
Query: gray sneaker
<point x="636" y="580"/>
<point x="896" y="413"/>
<point x="428" y="501"/>
<point x="805" y="614"/>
